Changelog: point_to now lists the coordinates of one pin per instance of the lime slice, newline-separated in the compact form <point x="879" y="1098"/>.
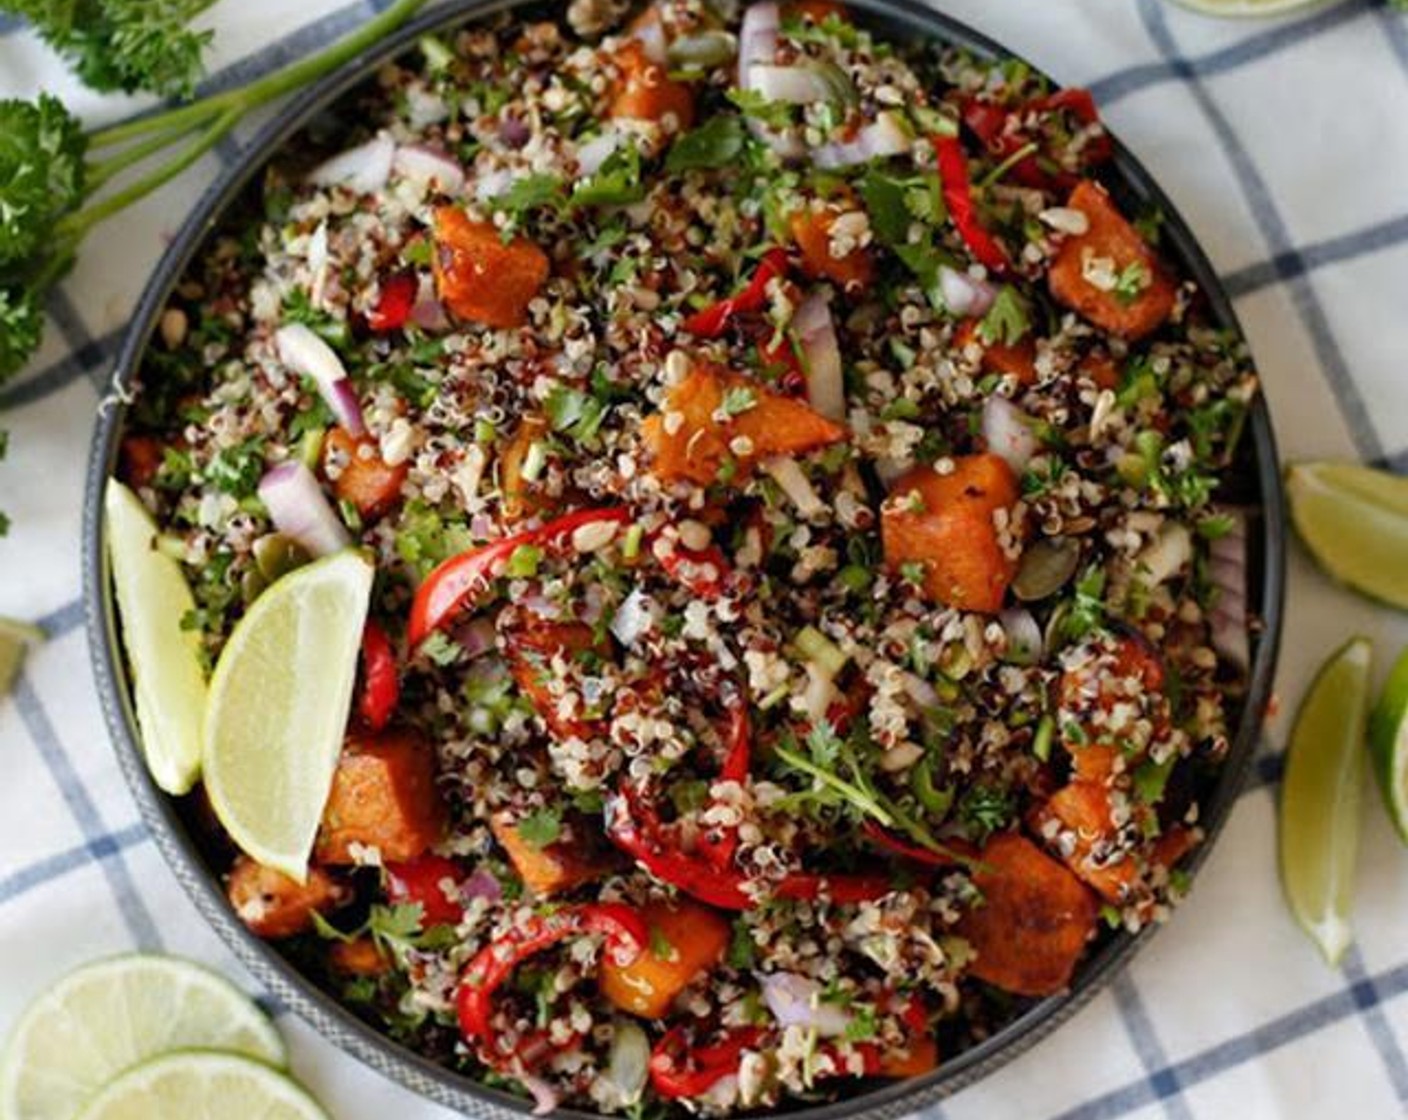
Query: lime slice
<point x="278" y="708"/>
<point x="196" y="1085"/>
<point x="1388" y="744"/>
<point x="1354" y="520"/>
<point x="113" y="1014"/>
<point x="1321" y="798"/>
<point x="1245" y="8"/>
<point x="167" y="678"/>
<point x="15" y="638"/>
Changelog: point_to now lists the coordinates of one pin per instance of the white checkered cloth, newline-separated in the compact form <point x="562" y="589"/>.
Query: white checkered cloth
<point x="1285" y="145"/>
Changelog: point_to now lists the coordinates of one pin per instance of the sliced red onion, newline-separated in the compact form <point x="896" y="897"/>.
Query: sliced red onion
<point x="494" y="183"/>
<point x="757" y="45"/>
<point x="707" y="48"/>
<point x="1024" y="641"/>
<point x="1166" y="555"/>
<point x="884" y="137"/>
<point x="299" y="509"/>
<point x="318" y="262"/>
<point x="423" y="164"/>
<point x="788" y="474"/>
<point x="596" y="151"/>
<point x="428" y="312"/>
<point x="1008" y="432"/>
<point x="546" y="1098"/>
<point x="363" y="169"/>
<point x="795" y="1001"/>
<point x="305" y="353"/>
<point x="1228" y="569"/>
<point x="920" y="691"/>
<point x="634" y="618"/>
<point x="628" y="1061"/>
<point x="482" y="884"/>
<point x="816" y="332"/>
<point x="963" y="294"/>
<point x="424" y="107"/>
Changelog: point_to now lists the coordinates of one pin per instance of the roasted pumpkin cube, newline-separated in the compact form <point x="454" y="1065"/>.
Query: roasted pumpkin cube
<point x="645" y="91"/>
<point x="549" y="869"/>
<point x="273" y="904"/>
<point x="361" y="957"/>
<point x="1018" y="360"/>
<point x="920" y="1057"/>
<point x="714" y="417"/>
<point x="1108" y="274"/>
<point x="686" y="939"/>
<point x="530" y="652"/>
<point x="480" y="277"/>
<point x="947" y="523"/>
<point x="1034" y="922"/>
<point x="384" y="797"/>
<point x="364" y="478"/>
<point x="814" y="231"/>
<point x="1083" y="809"/>
<point x="519" y="499"/>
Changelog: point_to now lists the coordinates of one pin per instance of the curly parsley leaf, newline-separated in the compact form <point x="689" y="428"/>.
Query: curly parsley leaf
<point x="41" y="173"/>
<point x="21" y="323"/>
<point x="126" y="45"/>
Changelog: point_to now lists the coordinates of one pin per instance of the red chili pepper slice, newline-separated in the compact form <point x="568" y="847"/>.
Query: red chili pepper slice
<point x="460" y="581"/>
<point x="393" y="307"/>
<point x="989" y="123"/>
<point x="381" y="688"/>
<point x="954" y="853"/>
<point x="714" y="319"/>
<point x="625" y="931"/>
<point x="958" y="195"/>
<point x="631" y="827"/>
<point x="679" y="1071"/>
<point x="418" y="881"/>
<point x="781" y="351"/>
<point x="701" y="572"/>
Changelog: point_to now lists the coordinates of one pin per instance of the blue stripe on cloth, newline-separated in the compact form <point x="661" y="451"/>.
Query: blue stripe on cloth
<point x="1333" y="250"/>
<point x="1145" y="1040"/>
<point x="65" y="316"/>
<point x="9" y="24"/>
<point x="1122" y="83"/>
<point x="62" y="620"/>
<point x="1366" y="996"/>
<point x="129" y="902"/>
<point x="1262" y="1040"/>
<point x="1273" y="228"/>
<point x="63" y="373"/>
<point x="45" y="871"/>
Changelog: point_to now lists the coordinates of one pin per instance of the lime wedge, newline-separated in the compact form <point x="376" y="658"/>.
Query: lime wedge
<point x="1354" y="520"/>
<point x="1388" y="744"/>
<point x="279" y="701"/>
<point x="113" y="1014"/>
<point x="15" y="638"/>
<point x="167" y="678"/>
<point x="1322" y="796"/>
<point x="196" y="1085"/>
<point x="1246" y="8"/>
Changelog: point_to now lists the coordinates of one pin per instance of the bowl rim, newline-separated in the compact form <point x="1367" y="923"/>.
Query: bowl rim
<point x="334" y="1020"/>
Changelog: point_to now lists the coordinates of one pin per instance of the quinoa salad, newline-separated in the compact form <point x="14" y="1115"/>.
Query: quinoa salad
<point x="808" y="604"/>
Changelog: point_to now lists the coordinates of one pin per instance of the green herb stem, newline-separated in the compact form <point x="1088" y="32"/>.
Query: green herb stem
<point x="992" y="177"/>
<point x="856" y="796"/>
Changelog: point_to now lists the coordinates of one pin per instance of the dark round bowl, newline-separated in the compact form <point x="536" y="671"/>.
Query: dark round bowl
<point x="1254" y="484"/>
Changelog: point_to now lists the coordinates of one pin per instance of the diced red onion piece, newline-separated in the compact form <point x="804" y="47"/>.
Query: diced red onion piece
<point x="884" y="137"/>
<point x="299" y="509"/>
<point x="633" y="618"/>
<point x="817" y="334"/>
<point x="794" y="85"/>
<point x="757" y="38"/>
<point x="514" y="131"/>
<point x="363" y="169"/>
<point x="596" y="151"/>
<point x="1008" y="432"/>
<point x="920" y="691"/>
<point x="428" y="312"/>
<point x="423" y="164"/>
<point x="963" y="294"/>
<point x="1228" y="570"/>
<point x="494" y="183"/>
<point x="545" y="1097"/>
<point x="306" y="354"/>
<point x="476" y="637"/>
<point x="795" y="484"/>
<point x="795" y="1001"/>
<point x="424" y="107"/>
<point x="1024" y="641"/>
<point x="482" y="884"/>
<point x="650" y="34"/>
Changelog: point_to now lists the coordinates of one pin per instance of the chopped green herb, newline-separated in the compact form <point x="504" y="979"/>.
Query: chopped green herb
<point x="1008" y="319"/>
<point x="540" y="828"/>
<point x="717" y="143"/>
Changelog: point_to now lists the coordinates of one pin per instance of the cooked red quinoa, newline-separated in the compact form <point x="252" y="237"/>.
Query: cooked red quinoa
<point x="879" y="660"/>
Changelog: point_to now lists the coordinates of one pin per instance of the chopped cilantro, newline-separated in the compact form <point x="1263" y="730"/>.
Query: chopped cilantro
<point x="717" y="143"/>
<point x="984" y="809"/>
<point x="616" y="183"/>
<point x="774" y="114"/>
<point x="1008" y="319"/>
<point x="1132" y="281"/>
<point x="439" y="649"/>
<point x="540" y="829"/>
<point x="738" y="399"/>
<point x="574" y="412"/>
<point x="524" y="561"/>
<point x="742" y="951"/>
